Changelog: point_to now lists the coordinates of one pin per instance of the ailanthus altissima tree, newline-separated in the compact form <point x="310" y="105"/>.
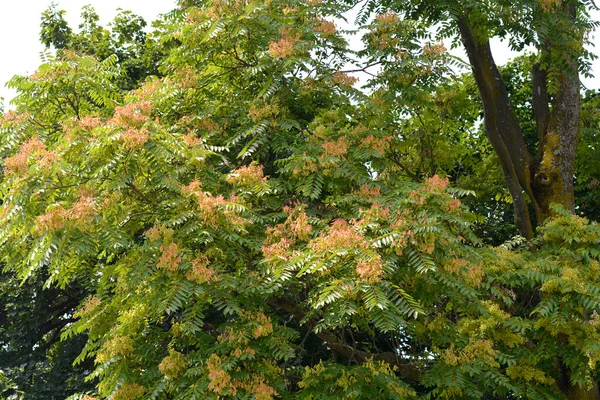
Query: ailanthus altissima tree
<point x="243" y="229"/>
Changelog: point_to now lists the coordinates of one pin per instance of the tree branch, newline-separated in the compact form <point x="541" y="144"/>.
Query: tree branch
<point x="501" y="124"/>
<point x="407" y="368"/>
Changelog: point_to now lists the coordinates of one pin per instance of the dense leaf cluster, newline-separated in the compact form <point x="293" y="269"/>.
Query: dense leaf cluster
<point x="249" y="224"/>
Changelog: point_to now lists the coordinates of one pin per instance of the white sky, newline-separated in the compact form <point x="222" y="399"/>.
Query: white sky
<point x="20" y="26"/>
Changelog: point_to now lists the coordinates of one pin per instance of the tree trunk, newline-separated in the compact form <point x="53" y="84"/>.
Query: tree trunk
<point x="573" y="392"/>
<point x="559" y="133"/>
<point x="501" y="125"/>
<point x="548" y="178"/>
<point x="577" y="393"/>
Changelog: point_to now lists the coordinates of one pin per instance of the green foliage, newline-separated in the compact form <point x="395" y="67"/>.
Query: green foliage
<point x="35" y="363"/>
<point x="250" y="225"/>
<point x="588" y="166"/>
<point x="55" y="30"/>
<point x="137" y="53"/>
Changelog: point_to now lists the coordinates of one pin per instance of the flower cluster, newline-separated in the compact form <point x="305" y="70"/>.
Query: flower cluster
<point x="550" y="5"/>
<point x="234" y="336"/>
<point x="297" y="222"/>
<point x="211" y="208"/>
<point x="52" y="220"/>
<point x="376" y="214"/>
<point x="89" y="306"/>
<point x="284" y="47"/>
<point x="118" y="345"/>
<point x="407" y="236"/>
<point x="129" y="391"/>
<point x="220" y="380"/>
<point x="191" y="140"/>
<point x="247" y="176"/>
<point x="258" y="113"/>
<point x="281" y="238"/>
<point x="89" y="122"/>
<point x="344" y="80"/>
<point x="77" y="130"/>
<point x="388" y="18"/>
<point x="158" y="232"/>
<point x="481" y="350"/>
<point x="201" y="272"/>
<point x="131" y="115"/>
<point x="208" y="125"/>
<point x="12" y="116"/>
<point x="278" y="248"/>
<point x="325" y="28"/>
<point x="436" y="184"/>
<point x="369" y="269"/>
<point x="262" y="325"/>
<point x="433" y="49"/>
<point x="260" y="389"/>
<point x="367" y="191"/>
<point x="193" y="188"/>
<point x="341" y="235"/>
<point x="35" y="149"/>
<point x="455" y="265"/>
<point x="173" y="365"/>
<point x="82" y="212"/>
<point x="169" y="258"/>
<point x="187" y="77"/>
<point x="379" y="144"/>
<point x="215" y="10"/>
<point x="135" y="138"/>
<point x="307" y="166"/>
<point x="384" y="33"/>
<point x="432" y="185"/>
<point x="148" y="88"/>
<point x="290" y="10"/>
<point x="475" y="274"/>
<point x="335" y="148"/>
<point x="194" y="16"/>
<point x="239" y="353"/>
<point x="451" y="206"/>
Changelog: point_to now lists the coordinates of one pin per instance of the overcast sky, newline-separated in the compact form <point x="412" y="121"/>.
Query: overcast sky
<point x="20" y="26"/>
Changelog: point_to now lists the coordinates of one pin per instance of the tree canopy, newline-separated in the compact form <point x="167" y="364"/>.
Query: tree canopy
<point x="220" y="209"/>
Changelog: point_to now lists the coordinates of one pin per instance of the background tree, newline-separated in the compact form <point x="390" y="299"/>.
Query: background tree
<point x="558" y="31"/>
<point x="34" y="359"/>
<point x="138" y="53"/>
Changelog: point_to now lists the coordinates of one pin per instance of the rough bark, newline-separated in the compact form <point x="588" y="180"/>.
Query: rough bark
<point x="553" y="173"/>
<point x="547" y="178"/>
<point x="501" y="125"/>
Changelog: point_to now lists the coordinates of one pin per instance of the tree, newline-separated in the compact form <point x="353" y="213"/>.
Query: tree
<point x="32" y="352"/>
<point x="138" y="53"/>
<point x="33" y="358"/>
<point x="558" y="31"/>
<point x="55" y="29"/>
<point x="245" y="227"/>
<point x="35" y="310"/>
